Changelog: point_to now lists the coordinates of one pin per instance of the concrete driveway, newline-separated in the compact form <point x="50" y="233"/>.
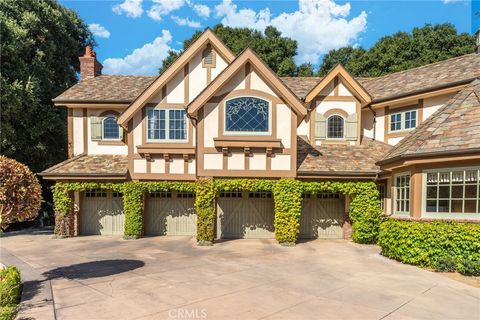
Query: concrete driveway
<point x="171" y="278"/>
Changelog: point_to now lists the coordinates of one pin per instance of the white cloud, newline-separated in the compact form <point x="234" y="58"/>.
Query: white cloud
<point x="186" y="22"/>
<point x="132" y="8"/>
<point x="318" y="26"/>
<point x="202" y="10"/>
<point x="142" y="61"/>
<point x="99" y="30"/>
<point x="163" y="7"/>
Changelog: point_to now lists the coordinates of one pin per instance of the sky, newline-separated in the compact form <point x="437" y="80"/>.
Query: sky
<point x="134" y="36"/>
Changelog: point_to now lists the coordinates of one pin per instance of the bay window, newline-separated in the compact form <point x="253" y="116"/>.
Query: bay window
<point x="166" y="125"/>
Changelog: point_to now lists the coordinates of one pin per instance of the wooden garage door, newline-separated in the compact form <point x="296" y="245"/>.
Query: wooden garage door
<point x="101" y="212"/>
<point x="245" y="215"/>
<point x="171" y="214"/>
<point x="322" y="216"/>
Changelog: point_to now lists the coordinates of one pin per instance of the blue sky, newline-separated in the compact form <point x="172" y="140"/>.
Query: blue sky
<point x="134" y="36"/>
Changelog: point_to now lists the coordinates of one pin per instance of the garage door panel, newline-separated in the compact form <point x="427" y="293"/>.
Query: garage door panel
<point x="322" y="218"/>
<point x="170" y="215"/>
<point x="101" y="212"/>
<point x="245" y="217"/>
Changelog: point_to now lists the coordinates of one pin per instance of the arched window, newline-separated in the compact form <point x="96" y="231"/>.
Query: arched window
<point x="335" y="127"/>
<point x="110" y="128"/>
<point x="247" y="115"/>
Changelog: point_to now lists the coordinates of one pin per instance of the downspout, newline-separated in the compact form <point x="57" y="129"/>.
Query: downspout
<point x="374" y="122"/>
<point x="195" y="122"/>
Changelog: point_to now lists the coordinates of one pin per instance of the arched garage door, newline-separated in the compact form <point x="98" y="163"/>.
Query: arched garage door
<point x="101" y="212"/>
<point x="246" y="215"/>
<point x="322" y="216"/>
<point x="170" y="213"/>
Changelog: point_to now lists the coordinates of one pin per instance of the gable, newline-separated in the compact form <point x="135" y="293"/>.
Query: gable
<point x="188" y="60"/>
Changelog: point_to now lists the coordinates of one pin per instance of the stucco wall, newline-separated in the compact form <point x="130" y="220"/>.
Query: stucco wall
<point x="77" y="131"/>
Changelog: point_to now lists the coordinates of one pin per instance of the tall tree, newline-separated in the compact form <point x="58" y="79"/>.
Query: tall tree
<point x="41" y="43"/>
<point x="402" y="50"/>
<point x="305" y="70"/>
<point x="275" y="50"/>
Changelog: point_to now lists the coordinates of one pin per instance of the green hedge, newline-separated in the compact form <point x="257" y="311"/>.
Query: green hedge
<point x="432" y="244"/>
<point x="287" y="194"/>
<point x="10" y="292"/>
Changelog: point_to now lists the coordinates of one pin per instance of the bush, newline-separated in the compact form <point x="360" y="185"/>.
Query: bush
<point x="424" y="243"/>
<point x="445" y="264"/>
<point x="205" y="208"/>
<point x="469" y="267"/>
<point x="9" y="292"/>
<point x="287" y="195"/>
<point x="20" y="192"/>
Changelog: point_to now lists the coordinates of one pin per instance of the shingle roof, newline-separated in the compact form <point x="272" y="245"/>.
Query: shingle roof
<point x="118" y="88"/>
<point x="106" y="88"/>
<point x="453" y="127"/>
<point x="90" y="165"/>
<point x="338" y="159"/>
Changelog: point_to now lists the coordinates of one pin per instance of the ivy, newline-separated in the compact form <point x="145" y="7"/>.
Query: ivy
<point x="287" y="194"/>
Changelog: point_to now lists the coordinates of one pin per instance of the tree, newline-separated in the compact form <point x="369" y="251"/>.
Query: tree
<point x="305" y="70"/>
<point x="275" y="50"/>
<point x="41" y="43"/>
<point x="402" y="51"/>
<point x="20" y="192"/>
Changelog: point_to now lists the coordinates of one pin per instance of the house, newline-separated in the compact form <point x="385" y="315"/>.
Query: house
<point x="212" y="114"/>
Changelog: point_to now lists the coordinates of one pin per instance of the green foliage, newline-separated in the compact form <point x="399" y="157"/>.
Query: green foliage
<point x="275" y="50"/>
<point x="287" y="195"/>
<point x="305" y="70"/>
<point x="402" y="51"/>
<point x="445" y="264"/>
<point x="469" y="267"/>
<point x="20" y="192"/>
<point x="10" y="292"/>
<point x="41" y="43"/>
<point x="423" y="243"/>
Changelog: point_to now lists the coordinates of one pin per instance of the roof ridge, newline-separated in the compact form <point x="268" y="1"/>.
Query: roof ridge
<point x="423" y="66"/>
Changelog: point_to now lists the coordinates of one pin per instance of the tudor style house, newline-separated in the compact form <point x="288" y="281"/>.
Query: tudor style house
<point x="212" y="114"/>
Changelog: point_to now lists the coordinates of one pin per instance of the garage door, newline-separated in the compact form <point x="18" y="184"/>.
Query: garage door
<point x="170" y="214"/>
<point x="322" y="216"/>
<point x="245" y="215"/>
<point x="101" y="212"/>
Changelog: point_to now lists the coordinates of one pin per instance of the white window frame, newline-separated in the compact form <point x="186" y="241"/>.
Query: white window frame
<point x="326" y="127"/>
<point x="382" y="199"/>
<point x="103" y="130"/>
<point x="448" y="215"/>
<point x="402" y="121"/>
<point x="167" y="128"/>
<point x="247" y="133"/>
<point x="402" y="174"/>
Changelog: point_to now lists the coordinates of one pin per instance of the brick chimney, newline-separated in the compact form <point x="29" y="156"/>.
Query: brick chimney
<point x="89" y="66"/>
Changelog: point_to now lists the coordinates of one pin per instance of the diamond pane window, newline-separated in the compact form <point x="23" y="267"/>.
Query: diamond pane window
<point x="247" y="114"/>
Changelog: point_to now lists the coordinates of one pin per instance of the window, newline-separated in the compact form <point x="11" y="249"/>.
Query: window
<point x="110" y="128"/>
<point x="452" y="191"/>
<point x="381" y="191"/>
<point x="335" y="125"/>
<point x="247" y="115"/>
<point x="402" y="193"/>
<point x="403" y="120"/>
<point x="96" y="193"/>
<point x="166" y="125"/>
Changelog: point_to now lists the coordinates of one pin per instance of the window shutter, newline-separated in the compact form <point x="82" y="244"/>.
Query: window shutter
<point x="96" y="128"/>
<point x="120" y="132"/>
<point x="320" y="126"/>
<point x="351" y="127"/>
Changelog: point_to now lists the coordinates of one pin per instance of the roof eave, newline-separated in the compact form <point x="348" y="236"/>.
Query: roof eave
<point x="427" y="155"/>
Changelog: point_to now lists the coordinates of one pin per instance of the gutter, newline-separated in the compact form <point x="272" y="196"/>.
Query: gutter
<point x="427" y="154"/>
<point x="374" y="121"/>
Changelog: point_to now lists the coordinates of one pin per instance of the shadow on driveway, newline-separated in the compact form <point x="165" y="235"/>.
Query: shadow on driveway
<point x="93" y="269"/>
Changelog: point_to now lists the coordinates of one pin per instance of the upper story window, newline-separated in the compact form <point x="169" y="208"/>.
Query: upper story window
<point x="401" y="121"/>
<point x="166" y="125"/>
<point x="452" y="191"/>
<point x="105" y="127"/>
<point x="335" y="127"/>
<point x="247" y="115"/>
<point x="402" y="193"/>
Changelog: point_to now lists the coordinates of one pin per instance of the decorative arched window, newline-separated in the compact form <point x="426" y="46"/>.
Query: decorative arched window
<point x="110" y="128"/>
<point x="247" y="115"/>
<point x="335" y="127"/>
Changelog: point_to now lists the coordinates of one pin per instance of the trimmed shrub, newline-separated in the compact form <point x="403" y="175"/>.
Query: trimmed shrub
<point x="20" y="192"/>
<point x="287" y="196"/>
<point x="10" y="292"/>
<point x="445" y="264"/>
<point x="424" y="243"/>
<point x="205" y="208"/>
<point x="469" y="267"/>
